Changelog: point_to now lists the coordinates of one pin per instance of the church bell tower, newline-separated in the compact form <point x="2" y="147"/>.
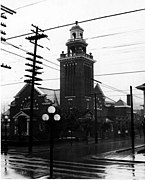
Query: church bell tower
<point x="76" y="73"/>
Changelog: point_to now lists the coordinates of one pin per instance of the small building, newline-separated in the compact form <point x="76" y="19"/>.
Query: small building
<point x="123" y="116"/>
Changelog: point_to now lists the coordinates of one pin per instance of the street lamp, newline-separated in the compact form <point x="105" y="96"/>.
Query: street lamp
<point x="70" y="131"/>
<point x="5" y="142"/>
<point x="51" y="117"/>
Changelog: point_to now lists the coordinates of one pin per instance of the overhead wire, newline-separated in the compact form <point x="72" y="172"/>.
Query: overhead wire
<point x="25" y="58"/>
<point x="21" y="7"/>
<point x="117" y="73"/>
<point x="84" y="21"/>
<point x="117" y="14"/>
<point x="17" y="47"/>
<point x="113" y="34"/>
<point x="116" y="89"/>
<point x="57" y="64"/>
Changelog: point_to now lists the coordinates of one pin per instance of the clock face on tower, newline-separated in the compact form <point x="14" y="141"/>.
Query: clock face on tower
<point x="26" y="103"/>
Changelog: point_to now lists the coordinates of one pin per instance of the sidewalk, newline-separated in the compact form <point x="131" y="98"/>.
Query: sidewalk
<point x="78" y="150"/>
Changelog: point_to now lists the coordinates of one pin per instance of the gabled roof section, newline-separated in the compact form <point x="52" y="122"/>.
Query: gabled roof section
<point x="17" y="95"/>
<point x="98" y="90"/>
<point x="141" y="87"/>
<point x="6" y="113"/>
<point x="21" y="113"/>
<point x="76" y="27"/>
<point x="24" y="87"/>
<point x="121" y="103"/>
<point x="109" y="101"/>
<point x="52" y="94"/>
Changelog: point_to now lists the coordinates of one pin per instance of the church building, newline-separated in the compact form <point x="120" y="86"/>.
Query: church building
<point x="76" y="92"/>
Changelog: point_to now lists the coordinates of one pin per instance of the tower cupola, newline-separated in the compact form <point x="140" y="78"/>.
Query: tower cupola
<point x="76" y="44"/>
<point x="76" y="32"/>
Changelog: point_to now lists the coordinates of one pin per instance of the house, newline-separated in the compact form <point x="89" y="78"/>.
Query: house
<point x="123" y="117"/>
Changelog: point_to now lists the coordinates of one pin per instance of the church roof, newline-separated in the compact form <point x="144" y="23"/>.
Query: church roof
<point x="121" y="103"/>
<point x="141" y="87"/>
<point x="109" y="102"/>
<point x="24" y="87"/>
<point x="76" y="27"/>
<point x="98" y="90"/>
<point x="6" y="113"/>
<point x="53" y="94"/>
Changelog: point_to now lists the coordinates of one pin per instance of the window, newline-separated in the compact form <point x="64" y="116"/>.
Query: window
<point x="74" y="35"/>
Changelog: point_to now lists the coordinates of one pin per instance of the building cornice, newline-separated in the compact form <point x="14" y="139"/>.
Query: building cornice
<point x="76" y="57"/>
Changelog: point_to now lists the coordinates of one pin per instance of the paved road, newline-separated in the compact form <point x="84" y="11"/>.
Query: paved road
<point x="22" y="167"/>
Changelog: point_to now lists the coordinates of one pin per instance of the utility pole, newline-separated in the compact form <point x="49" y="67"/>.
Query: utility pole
<point x="3" y="25"/>
<point x="96" y="114"/>
<point x="132" y="121"/>
<point x="33" y="78"/>
<point x="96" y="120"/>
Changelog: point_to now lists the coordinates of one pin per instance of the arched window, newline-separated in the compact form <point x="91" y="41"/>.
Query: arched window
<point x="74" y="35"/>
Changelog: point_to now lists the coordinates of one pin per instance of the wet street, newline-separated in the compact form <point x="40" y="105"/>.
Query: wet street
<point x="108" y="165"/>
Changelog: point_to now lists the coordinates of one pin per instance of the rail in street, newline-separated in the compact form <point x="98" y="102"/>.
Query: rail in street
<point x="20" y="166"/>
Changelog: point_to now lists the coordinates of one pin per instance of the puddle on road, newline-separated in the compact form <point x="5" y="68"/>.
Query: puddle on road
<point x="6" y="171"/>
<point x="125" y="155"/>
<point x="126" y="170"/>
<point x="17" y="171"/>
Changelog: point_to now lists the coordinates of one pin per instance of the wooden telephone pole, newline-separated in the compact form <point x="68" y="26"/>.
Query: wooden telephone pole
<point x="33" y="78"/>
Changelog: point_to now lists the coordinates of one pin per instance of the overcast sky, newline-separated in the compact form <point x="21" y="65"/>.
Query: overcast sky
<point x="117" y="43"/>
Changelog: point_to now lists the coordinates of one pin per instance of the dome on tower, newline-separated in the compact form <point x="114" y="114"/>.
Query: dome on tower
<point x="76" y="27"/>
<point x="76" y="32"/>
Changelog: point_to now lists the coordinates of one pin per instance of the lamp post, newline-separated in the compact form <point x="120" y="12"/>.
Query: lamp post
<point x="51" y="117"/>
<point x="132" y="121"/>
<point x="5" y="142"/>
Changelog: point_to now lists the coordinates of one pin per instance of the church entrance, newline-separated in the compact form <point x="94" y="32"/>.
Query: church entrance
<point x="22" y="126"/>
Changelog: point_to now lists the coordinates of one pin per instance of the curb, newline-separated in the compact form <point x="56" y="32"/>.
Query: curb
<point x="127" y="149"/>
<point x="117" y="160"/>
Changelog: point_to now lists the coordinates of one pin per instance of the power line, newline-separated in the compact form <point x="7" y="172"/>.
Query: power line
<point x="49" y="60"/>
<point x="25" y="58"/>
<point x="12" y="83"/>
<point x="84" y="21"/>
<point x="117" y="73"/>
<point x="30" y="5"/>
<point x="124" y="45"/>
<point x="28" y="51"/>
<point x="51" y="67"/>
<point x="113" y="34"/>
<point x="122" y="94"/>
<point x="115" y="89"/>
<point x="110" y="87"/>
<point x="94" y="75"/>
<point x="109" y="74"/>
<point x="12" y="53"/>
<point x="103" y="84"/>
<point x="17" y="47"/>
